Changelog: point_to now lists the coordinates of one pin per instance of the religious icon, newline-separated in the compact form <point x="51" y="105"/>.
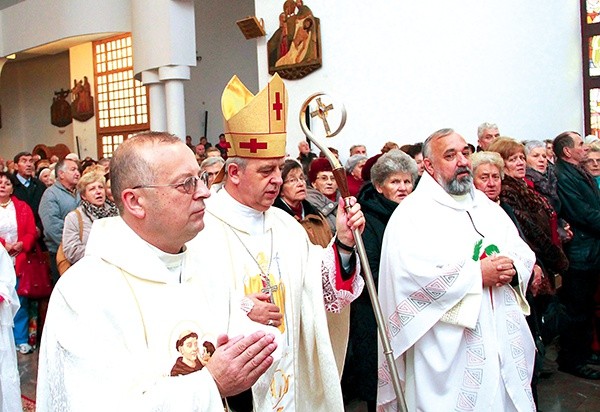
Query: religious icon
<point x="193" y="357"/>
<point x="294" y="50"/>
<point x="82" y="102"/>
<point x="60" y="111"/>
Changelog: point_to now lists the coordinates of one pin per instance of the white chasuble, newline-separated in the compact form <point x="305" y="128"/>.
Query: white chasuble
<point x="458" y="346"/>
<point x="125" y="331"/>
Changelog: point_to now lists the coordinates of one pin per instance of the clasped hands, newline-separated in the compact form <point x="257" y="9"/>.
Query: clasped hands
<point x="497" y="270"/>
<point x="238" y="362"/>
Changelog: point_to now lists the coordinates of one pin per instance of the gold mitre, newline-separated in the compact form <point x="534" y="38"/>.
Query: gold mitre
<point x="255" y="125"/>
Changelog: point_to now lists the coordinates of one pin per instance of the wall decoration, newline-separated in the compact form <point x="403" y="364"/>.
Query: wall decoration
<point x="82" y="102"/>
<point x="60" y="111"/>
<point x="294" y="50"/>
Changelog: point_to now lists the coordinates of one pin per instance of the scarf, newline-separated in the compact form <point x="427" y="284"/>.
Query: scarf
<point x="108" y="209"/>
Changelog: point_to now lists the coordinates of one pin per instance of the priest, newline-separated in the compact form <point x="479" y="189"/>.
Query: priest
<point x="118" y="318"/>
<point x="278" y="278"/>
<point x="452" y="282"/>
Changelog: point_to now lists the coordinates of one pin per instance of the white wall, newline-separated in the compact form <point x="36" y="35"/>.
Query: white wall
<point x="82" y="64"/>
<point x="224" y="52"/>
<point x="407" y="68"/>
<point x="403" y="69"/>
<point x="26" y="92"/>
<point x="35" y="22"/>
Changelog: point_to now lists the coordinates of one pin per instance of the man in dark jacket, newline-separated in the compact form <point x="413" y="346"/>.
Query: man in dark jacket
<point x="28" y="188"/>
<point x="581" y="208"/>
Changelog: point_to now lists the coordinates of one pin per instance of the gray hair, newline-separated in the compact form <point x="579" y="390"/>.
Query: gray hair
<point x="435" y="135"/>
<point x="484" y="126"/>
<point x="533" y="144"/>
<point x="595" y="147"/>
<point x="394" y="161"/>
<point x="210" y="161"/>
<point x="62" y="165"/>
<point x="353" y="161"/>
<point x="129" y="168"/>
<point x="241" y="162"/>
<point x="487" y="158"/>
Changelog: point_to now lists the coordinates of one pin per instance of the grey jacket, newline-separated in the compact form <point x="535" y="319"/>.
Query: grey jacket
<point x="56" y="203"/>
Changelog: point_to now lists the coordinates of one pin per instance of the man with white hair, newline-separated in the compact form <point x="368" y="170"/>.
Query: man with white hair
<point x="57" y="201"/>
<point x="486" y="134"/>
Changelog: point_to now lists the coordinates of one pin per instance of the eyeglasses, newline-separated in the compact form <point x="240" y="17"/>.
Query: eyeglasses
<point x="295" y="180"/>
<point x="325" y="178"/>
<point x="189" y="185"/>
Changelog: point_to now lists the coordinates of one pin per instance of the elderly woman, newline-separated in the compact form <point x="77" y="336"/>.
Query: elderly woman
<point x="46" y="176"/>
<point x="94" y="205"/>
<point x="18" y="236"/>
<point x="292" y="199"/>
<point x="539" y="172"/>
<point x="323" y="193"/>
<point x="392" y="179"/>
<point x="354" y="166"/>
<point x="535" y="214"/>
<point x="592" y="164"/>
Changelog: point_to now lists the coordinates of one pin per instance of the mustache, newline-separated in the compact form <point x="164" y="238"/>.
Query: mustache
<point x="463" y="169"/>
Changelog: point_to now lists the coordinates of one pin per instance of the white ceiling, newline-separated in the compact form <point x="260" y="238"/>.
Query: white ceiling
<point x="7" y="3"/>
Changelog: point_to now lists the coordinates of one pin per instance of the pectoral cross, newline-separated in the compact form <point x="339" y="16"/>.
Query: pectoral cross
<point x="321" y="112"/>
<point x="269" y="289"/>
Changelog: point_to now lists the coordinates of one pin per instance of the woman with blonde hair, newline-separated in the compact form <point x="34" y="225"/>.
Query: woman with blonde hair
<point x="94" y="205"/>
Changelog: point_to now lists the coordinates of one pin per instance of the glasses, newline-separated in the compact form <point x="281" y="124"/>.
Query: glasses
<point x="189" y="185"/>
<point x="326" y="178"/>
<point x="295" y="180"/>
<point x="594" y="161"/>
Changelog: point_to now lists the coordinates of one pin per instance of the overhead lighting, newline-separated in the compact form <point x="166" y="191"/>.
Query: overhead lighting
<point x="11" y="56"/>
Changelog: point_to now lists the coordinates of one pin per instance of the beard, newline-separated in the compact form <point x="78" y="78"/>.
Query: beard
<point x="457" y="186"/>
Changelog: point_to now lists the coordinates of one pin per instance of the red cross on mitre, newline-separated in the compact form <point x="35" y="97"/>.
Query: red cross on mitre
<point x="278" y="106"/>
<point x="253" y="145"/>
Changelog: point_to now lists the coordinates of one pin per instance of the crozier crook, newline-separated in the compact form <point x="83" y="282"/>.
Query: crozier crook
<point x="322" y="112"/>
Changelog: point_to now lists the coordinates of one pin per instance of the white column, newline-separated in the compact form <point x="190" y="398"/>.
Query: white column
<point x="158" y="110"/>
<point x="173" y="77"/>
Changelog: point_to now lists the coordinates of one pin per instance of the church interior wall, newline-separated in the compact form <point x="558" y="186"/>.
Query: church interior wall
<point x="405" y="69"/>
<point x="26" y="91"/>
<point x="402" y="69"/>
<point x="33" y="23"/>
<point x="224" y="52"/>
<point x="84" y="133"/>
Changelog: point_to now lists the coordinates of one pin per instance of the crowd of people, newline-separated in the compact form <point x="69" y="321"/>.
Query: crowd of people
<point x="482" y="256"/>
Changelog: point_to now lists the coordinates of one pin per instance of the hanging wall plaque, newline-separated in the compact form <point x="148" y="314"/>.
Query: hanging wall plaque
<point x="294" y="50"/>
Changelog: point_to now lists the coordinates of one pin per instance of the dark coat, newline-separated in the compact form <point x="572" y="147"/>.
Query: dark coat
<point x="538" y="221"/>
<point x="580" y="200"/>
<point x="31" y="195"/>
<point x="360" y="372"/>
